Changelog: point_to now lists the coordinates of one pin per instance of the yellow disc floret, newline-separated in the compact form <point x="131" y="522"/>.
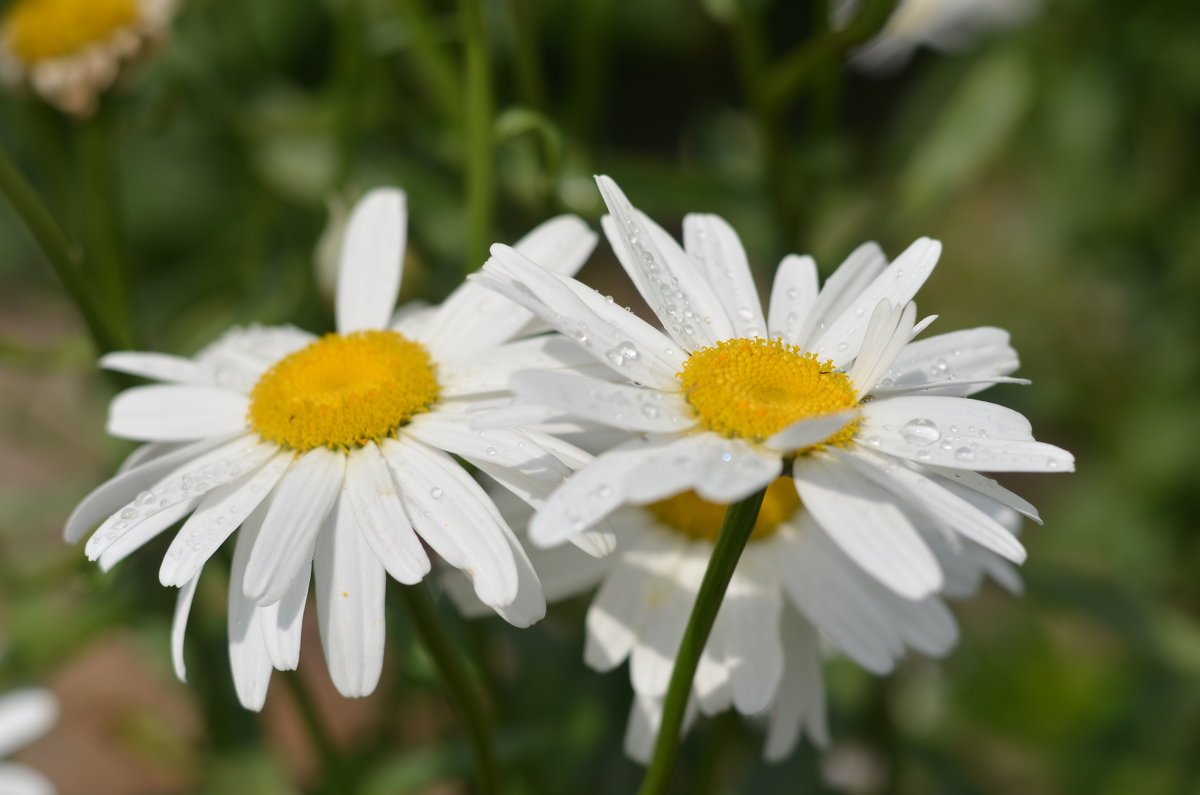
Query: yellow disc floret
<point x="38" y="30"/>
<point x="753" y="388"/>
<point x="343" y="390"/>
<point x="701" y="519"/>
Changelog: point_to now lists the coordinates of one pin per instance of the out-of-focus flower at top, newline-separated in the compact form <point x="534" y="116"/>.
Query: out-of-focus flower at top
<point x="25" y="715"/>
<point x="70" y="51"/>
<point x="339" y="448"/>
<point x="943" y="25"/>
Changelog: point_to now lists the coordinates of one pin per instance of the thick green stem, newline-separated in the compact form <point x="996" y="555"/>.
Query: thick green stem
<point x="464" y="692"/>
<point x="735" y="532"/>
<point x="64" y="255"/>
<point x="477" y="133"/>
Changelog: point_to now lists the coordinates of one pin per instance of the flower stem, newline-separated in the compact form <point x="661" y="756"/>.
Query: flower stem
<point x="477" y="133"/>
<point x="464" y="693"/>
<point x="735" y="532"/>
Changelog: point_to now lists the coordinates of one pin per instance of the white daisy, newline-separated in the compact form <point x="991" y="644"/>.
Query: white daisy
<point x="792" y="589"/>
<point x="338" y="447"/>
<point x="25" y="715"/>
<point x="943" y="25"/>
<point x="874" y="427"/>
<point x="70" y="51"/>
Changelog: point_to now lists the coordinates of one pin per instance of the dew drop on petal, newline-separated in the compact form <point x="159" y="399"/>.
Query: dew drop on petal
<point x="491" y="451"/>
<point x="964" y="454"/>
<point x="436" y="493"/>
<point x="920" y="431"/>
<point x="129" y="513"/>
<point x="923" y="455"/>
<point x="744" y="313"/>
<point x="628" y="350"/>
<point x="145" y="498"/>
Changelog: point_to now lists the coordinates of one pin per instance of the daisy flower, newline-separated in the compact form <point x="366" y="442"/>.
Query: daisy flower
<point x="874" y="428"/>
<point x="69" y="51"/>
<point x="943" y="25"/>
<point x="25" y="715"/>
<point x="333" y="455"/>
<point x="794" y="596"/>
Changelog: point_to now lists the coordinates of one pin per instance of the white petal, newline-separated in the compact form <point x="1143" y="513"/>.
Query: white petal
<point x="455" y="516"/>
<point x="753" y="647"/>
<point x="718" y="469"/>
<point x="169" y="413"/>
<point x="158" y="366"/>
<point x="18" y="779"/>
<point x="897" y="283"/>
<point x="984" y="485"/>
<point x="792" y="297"/>
<point x="184" y="484"/>
<point x="711" y="686"/>
<point x="629" y="407"/>
<point x="242" y="355"/>
<point x="503" y="446"/>
<point x="474" y="318"/>
<point x="713" y="245"/>
<point x="939" y="503"/>
<point x="128" y="543"/>
<point x="641" y="732"/>
<point x="350" y="583"/>
<point x="959" y="433"/>
<point x="248" y="655"/>
<point x="972" y="357"/>
<point x="811" y="430"/>
<point x="283" y="623"/>
<point x="372" y="260"/>
<point x="529" y="606"/>
<point x="490" y="370"/>
<point x="183" y="607"/>
<point x="25" y="715"/>
<point x="866" y="523"/>
<point x="888" y="332"/>
<point x="371" y="494"/>
<point x="846" y="283"/>
<point x="300" y="504"/>
<point x="670" y="594"/>
<point x="584" y="315"/>
<point x="220" y="513"/>
<point x="145" y="453"/>
<point x="802" y="695"/>
<point x="111" y="495"/>
<point x="666" y="277"/>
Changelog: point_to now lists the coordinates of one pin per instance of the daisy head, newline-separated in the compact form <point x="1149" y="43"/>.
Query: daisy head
<point x="70" y="51"/>
<point x="334" y="456"/>
<point x="825" y="387"/>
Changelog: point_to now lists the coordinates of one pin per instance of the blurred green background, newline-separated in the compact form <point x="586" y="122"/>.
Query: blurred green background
<point x="1058" y="162"/>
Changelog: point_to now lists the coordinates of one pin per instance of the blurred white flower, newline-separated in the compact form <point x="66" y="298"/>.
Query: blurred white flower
<point x="338" y="448"/>
<point x="25" y="715"/>
<point x="943" y="25"/>
<point x="70" y="51"/>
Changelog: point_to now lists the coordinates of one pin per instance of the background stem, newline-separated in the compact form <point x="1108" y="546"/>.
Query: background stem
<point x="477" y="134"/>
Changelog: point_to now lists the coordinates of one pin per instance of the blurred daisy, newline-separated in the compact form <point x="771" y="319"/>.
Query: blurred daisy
<point x="874" y="428"/>
<point x="69" y="51"/>
<point x="793" y="595"/>
<point x="339" y="448"/>
<point x="943" y="25"/>
<point x="25" y="715"/>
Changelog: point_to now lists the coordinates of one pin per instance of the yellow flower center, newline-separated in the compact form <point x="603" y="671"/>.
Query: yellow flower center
<point x="700" y="519"/>
<point x="343" y="390"/>
<point x="38" y="30"/>
<point x="753" y="388"/>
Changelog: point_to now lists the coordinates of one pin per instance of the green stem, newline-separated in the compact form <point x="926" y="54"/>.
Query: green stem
<point x="477" y="133"/>
<point x="434" y="67"/>
<point x="64" y="255"/>
<point x="463" y="690"/>
<point x="735" y="532"/>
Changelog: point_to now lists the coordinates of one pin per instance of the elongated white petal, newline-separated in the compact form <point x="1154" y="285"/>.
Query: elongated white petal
<point x="939" y="503"/>
<point x="718" y="469"/>
<point x="670" y="592"/>
<point x="792" y="297"/>
<point x="248" y="657"/>
<point x="171" y="413"/>
<point x="628" y="407"/>
<point x="811" y="430"/>
<point x="111" y="495"/>
<point x="868" y="526"/>
<point x="887" y="334"/>
<point x="129" y="542"/>
<point x="984" y="485"/>
<point x="529" y="606"/>
<point x="505" y="447"/>
<point x="898" y="283"/>
<point x="754" y="651"/>
<point x="183" y="608"/>
<point x="711" y="687"/>
<point x="474" y="318"/>
<point x="490" y="370"/>
<point x="350" y="584"/>
<point x="842" y="287"/>
<point x="240" y="357"/>
<point x="713" y="245"/>
<point x="185" y="483"/>
<point x="371" y="493"/>
<point x="25" y="715"/>
<point x="283" y="623"/>
<point x="220" y="513"/>
<point x="159" y="367"/>
<point x="455" y="516"/>
<point x="372" y="260"/>
<point x="970" y="357"/>
<point x="19" y="779"/>
<point x="584" y="315"/>
<point x="801" y="701"/>
<point x="959" y="433"/>
<point x="666" y="277"/>
<point x="300" y="504"/>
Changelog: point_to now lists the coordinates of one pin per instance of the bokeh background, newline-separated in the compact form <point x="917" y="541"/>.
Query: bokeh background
<point x="1058" y="162"/>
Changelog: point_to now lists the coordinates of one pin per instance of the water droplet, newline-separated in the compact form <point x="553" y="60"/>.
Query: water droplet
<point x="791" y="320"/>
<point x="688" y="330"/>
<point x="922" y="455"/>
<point x="436" y="493"/>
<point x="726" y="457"/>
<point x="129" y="513"/>
<point x="1052" y="463"/>
<point x="490" y="451"/>
<point x="965" y="454"/>
<point x="744" y="312"/>
<point x="650" y="411"/>
<point x="886" y="383"/>
<point x="842" y="346"/>
<point x="120" y="525"/>
<point x="941" y="365"/>
<point x="859" y="312"/>
<point x="793" y="293"/>
<point x="580" y="336"/>
<point x="920" y="431"/>
<point x="615" y="357"/>
<point x="946" y="444"/>
<point x="145" y="498"/>
<point x="628" y="350"/>
<point x="873" y="441"/>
